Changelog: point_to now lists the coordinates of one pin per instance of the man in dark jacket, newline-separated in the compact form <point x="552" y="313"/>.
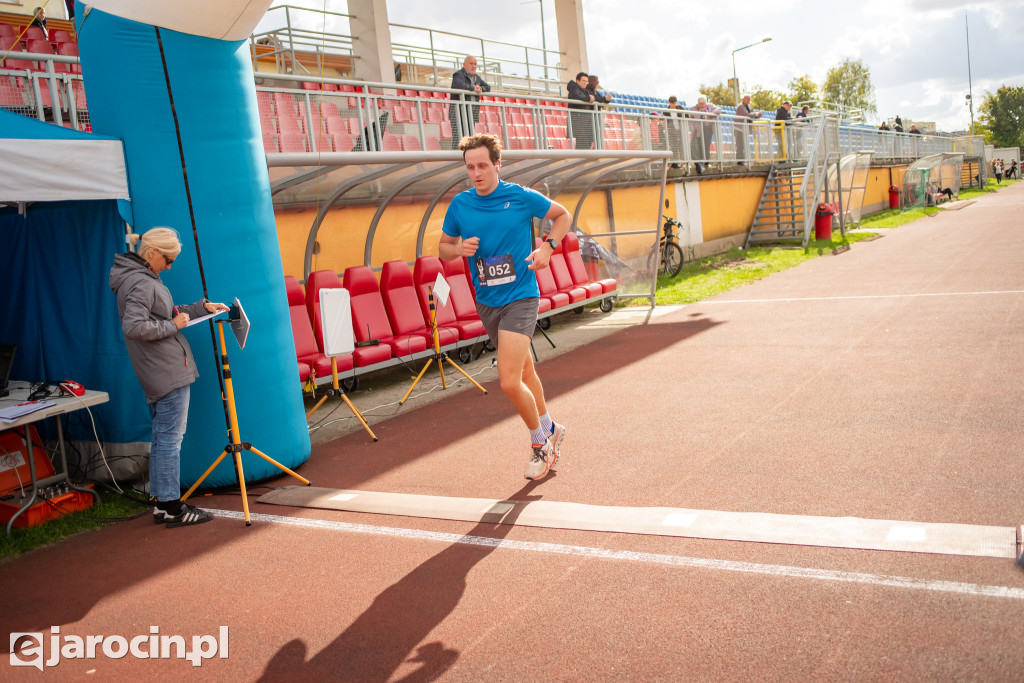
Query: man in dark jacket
<point x="582" y="121"/>
<point x="464" y="116"/>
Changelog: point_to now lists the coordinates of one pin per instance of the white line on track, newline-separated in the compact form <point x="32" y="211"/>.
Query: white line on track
<point x="851" y="298"/>
<point x="969" y="589"/>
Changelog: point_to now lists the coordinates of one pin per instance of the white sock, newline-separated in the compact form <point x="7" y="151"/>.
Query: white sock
<point x="538" y="436"/>
<point x="547" y="424"/>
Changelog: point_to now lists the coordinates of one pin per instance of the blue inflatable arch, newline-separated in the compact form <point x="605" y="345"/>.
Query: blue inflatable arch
<point x="174" y="81"/>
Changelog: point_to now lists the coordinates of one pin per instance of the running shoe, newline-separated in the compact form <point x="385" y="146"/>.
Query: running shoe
<point x="190" y="515"/>
<point x="541" y="461"/>
<point x="159" y="516"/>
<point x="557" y="436"/>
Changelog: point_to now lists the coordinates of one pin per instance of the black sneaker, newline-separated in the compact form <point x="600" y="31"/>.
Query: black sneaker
<point x="190" y="515"/>
<point x="159" y="516"/>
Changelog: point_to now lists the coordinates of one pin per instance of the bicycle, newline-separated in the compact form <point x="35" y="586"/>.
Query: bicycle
<point x="668" y="247"/>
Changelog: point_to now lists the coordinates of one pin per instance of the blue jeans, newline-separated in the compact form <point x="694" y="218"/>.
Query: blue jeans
<point x="170" y="414"/>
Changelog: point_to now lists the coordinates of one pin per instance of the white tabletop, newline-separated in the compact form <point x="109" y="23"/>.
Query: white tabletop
<point x="19" y="394"/>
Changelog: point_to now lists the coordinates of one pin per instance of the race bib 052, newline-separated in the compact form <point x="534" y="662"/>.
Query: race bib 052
<point x="495" y="270"/>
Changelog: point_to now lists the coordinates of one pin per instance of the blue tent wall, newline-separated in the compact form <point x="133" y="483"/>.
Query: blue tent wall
<point x="214" y="115"/>
<point x="56" y="305"/>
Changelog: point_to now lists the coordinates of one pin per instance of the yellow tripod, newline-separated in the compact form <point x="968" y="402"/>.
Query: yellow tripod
<point x="236" y="446"/>
<point x="438" y="356"/>
<point x="336" y="390"/>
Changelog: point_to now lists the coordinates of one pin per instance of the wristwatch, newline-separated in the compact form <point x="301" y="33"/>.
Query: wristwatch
<point x="551" y="243"/>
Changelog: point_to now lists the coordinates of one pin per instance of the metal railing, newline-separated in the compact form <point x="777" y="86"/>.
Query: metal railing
<point x="47" y="92"/>
<point x="823" y="150"/>
<point x="425" y="56"/>
<point x="423" y="119"/>
<point x="299" y="35"/>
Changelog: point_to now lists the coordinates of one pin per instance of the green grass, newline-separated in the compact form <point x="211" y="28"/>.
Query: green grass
<point x="111" y="508"/>
<point x="990" y="187"/>
<point x="893" y="218"/>
<point x="712" y="275"/>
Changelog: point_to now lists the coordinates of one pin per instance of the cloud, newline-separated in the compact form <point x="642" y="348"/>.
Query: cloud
<point x="916" y="49"/>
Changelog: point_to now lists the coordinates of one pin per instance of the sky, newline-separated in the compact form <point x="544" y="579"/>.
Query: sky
<point x="916" y="50"/>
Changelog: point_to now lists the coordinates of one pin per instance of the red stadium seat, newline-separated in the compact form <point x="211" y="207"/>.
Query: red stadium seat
<point x="67" y="50"/>
<point x="307" y="354"/>
<point x="578" y="269"/>
<point x="370" y="321"/>
<point x="59" y="36"/>
<point x="292" y="142"/>
<point x="462" y="296"/>
<point x="289" y="124"/>
<point x="343" y="142"/>
<point x="563" y="280"/>
<point x="411" y="143"/>
<point x="315" y="281"/>
<point x="403" y="308"/>
<point x="548" y="288"/>
<point x="14" y="93"/>
<point x="40" y="47"/>
<point x="35" y="33"/>
<point x="391" y="143"/>
<point x="425" y="275"/>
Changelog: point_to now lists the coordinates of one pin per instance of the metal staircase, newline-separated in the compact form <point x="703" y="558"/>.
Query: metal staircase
<point x="792" y="191"/>
<point x="780" y="214"/>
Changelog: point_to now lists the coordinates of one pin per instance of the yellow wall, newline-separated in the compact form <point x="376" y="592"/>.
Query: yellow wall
<point x="876" y="194"/>
<point x="727" y="208"/>
<point x="342" y="237"/>
<point x="728" y="205"/>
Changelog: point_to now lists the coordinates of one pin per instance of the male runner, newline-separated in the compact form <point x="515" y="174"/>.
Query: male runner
<point x="495" y="223"/>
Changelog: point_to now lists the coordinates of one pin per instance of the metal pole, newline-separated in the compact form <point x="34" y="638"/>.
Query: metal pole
<point x="543" y="39"/>
<point x="735" y="83"/>
<point x="970" y="87"/>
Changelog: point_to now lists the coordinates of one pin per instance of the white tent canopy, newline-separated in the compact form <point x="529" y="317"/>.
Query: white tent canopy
<point x="41" y="162"/>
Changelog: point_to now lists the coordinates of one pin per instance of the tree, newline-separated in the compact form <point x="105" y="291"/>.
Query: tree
<point x="802" y="89"/>
<point x="1002" y="117"/>
<point x="716" y="94"/>
<point x="849" y="84"/>
<point x="763" y="98"/>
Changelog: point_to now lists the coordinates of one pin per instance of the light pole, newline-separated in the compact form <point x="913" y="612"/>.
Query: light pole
<point x="543" y="36"/>
<point x="970" y="86"/>
<point x="735" y="81"/>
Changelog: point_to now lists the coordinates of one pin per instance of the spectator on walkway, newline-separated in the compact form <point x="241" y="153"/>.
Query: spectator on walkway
<point x="1012" y="173"/>
<point x="897" y="125"/>
<point x="781" y="116"/>
<point x="600" y="96"/>
<point x="913" y="130"/>
<point x="884" y="126"/>
<point x="582" y="122"/>
<point x="804" y="111"/>
<point x="997" y="166"/>
<point x="674" y="129"/>
<point x="741" y="127"/>
<point x="464" y="116"/>
<point x="702" y="132"/>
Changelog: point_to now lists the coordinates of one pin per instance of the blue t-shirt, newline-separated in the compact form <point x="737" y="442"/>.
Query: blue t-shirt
<point x="503" y="222"/>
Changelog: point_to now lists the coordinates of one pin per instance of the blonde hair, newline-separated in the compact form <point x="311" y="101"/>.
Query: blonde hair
<point x="164" y="240"/>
